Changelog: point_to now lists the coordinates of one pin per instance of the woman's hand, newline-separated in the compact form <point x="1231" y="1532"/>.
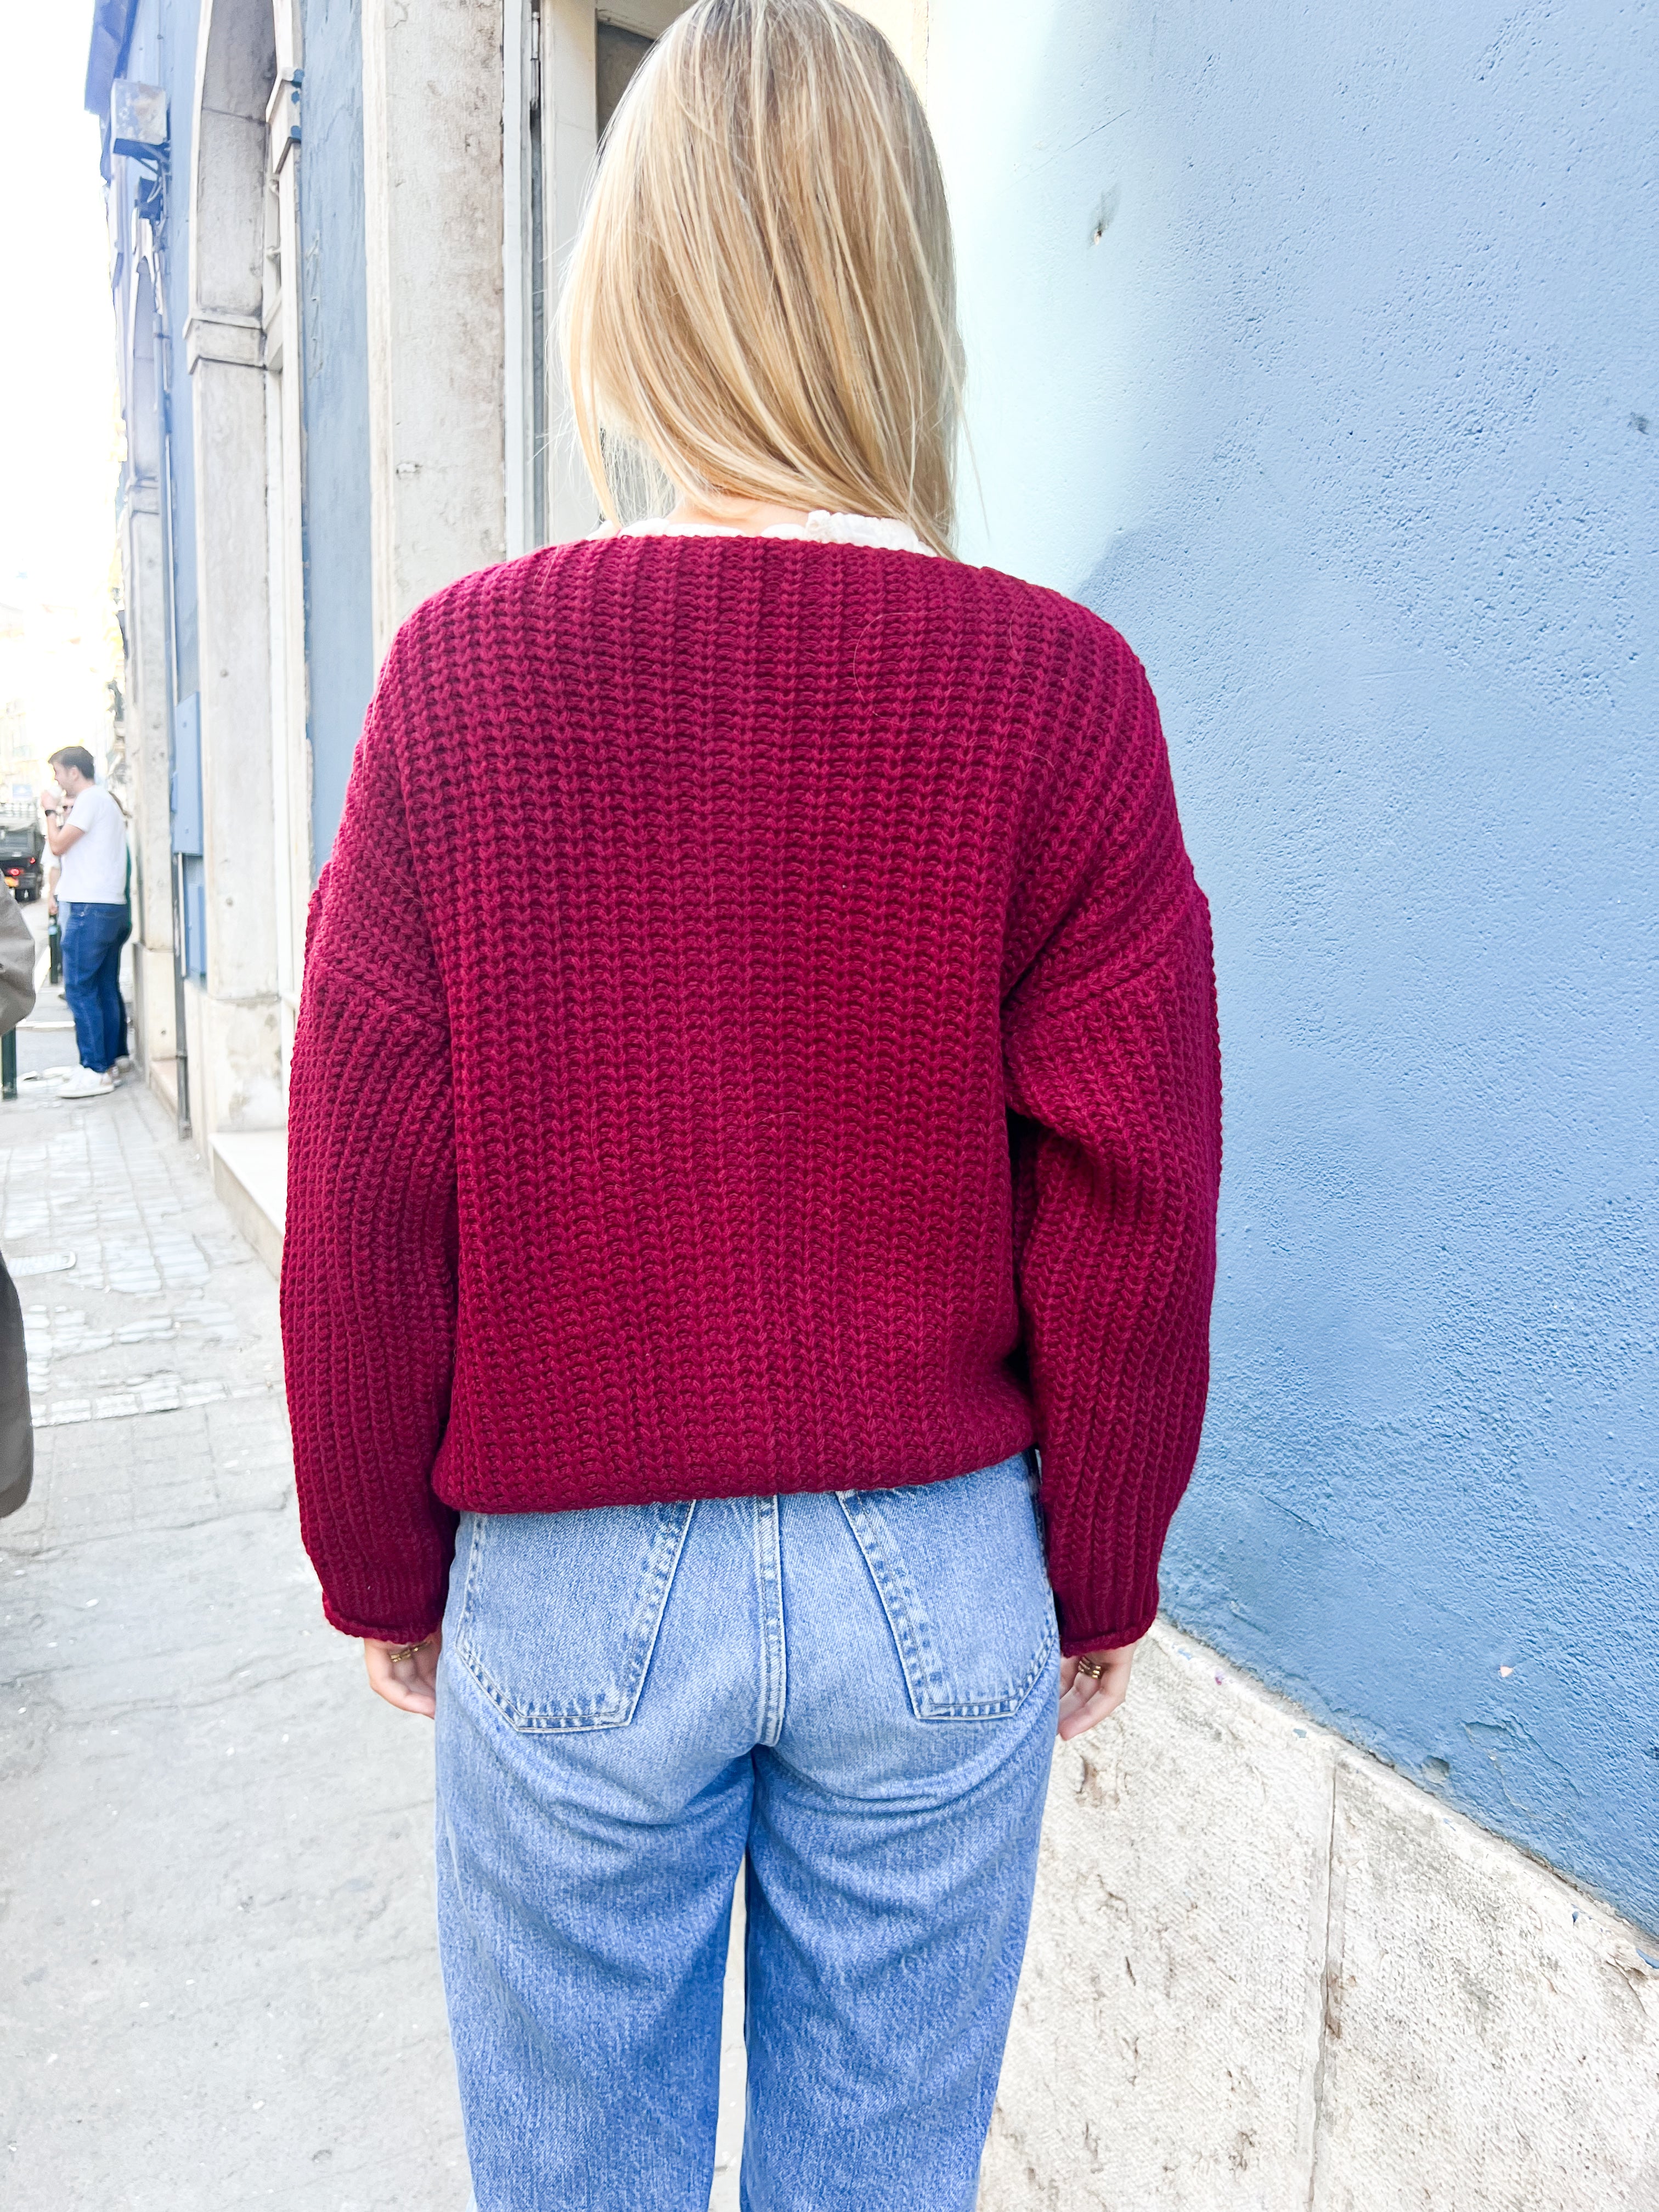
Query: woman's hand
<point x="404" y="1678"/>
<point x="1085" y="1697"/>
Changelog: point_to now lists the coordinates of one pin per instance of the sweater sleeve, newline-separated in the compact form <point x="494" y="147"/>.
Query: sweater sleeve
<point x="370" y="1253"/>
<point x="1113" y="1076"/>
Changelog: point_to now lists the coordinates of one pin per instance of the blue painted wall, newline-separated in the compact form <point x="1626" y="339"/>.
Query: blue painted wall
<point x="339" y="622"/>
<point x="1316" y="347"/>
<point x="162" y="51"/>
<point x="155" y="44"/>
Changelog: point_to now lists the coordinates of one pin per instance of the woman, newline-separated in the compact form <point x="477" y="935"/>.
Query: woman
<point x="716" y="1167"/>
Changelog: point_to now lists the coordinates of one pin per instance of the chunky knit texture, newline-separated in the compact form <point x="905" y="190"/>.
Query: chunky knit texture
<point x="758" y="1035"/>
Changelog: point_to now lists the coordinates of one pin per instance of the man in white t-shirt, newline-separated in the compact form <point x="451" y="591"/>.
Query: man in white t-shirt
<point x="87" y="834"/>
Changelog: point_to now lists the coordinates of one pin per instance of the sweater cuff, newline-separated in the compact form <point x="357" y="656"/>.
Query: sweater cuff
<point x="1105" y="1639"/>
<point x="408" y="1630"/>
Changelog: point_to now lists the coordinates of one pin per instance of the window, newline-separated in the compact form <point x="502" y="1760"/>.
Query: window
<point x="618" y="53"/>
<point x="564" y="75"/>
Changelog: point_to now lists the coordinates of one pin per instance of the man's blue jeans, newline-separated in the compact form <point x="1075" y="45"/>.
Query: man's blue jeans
<point x="93" y="933"/>
<point x="858" y="1691"/>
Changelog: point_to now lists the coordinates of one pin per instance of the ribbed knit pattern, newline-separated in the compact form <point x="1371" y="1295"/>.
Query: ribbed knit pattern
<point x="758" y="1035"/>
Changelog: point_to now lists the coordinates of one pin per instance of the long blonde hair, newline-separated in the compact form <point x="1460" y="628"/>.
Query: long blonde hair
<point x="763" y="294"/>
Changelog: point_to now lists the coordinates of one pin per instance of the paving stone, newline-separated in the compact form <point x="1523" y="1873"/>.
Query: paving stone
<point x="218" y="1980"/>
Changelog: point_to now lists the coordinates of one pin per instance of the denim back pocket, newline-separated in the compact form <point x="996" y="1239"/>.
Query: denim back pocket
<point x="559" y="1612"/>
<point x="959" y="1569"/>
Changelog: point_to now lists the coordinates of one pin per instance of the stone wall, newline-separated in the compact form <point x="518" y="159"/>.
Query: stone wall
<point x="1267" y="1974"/>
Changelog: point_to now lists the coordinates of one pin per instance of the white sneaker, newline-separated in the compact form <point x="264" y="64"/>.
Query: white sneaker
<point x="86" y="1083"/>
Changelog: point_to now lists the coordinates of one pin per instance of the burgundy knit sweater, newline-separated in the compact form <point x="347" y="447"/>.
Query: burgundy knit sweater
<point x="758" y="1035"/>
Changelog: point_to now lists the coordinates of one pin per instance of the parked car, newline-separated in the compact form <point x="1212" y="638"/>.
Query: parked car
<point x="23" y="859"/>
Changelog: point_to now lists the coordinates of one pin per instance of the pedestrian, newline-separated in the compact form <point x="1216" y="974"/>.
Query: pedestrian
<point x="87" y="832"/>
<point x="713" y="1203"/>
<point x="121" y="1041"/>
<point x="17" y="959"/>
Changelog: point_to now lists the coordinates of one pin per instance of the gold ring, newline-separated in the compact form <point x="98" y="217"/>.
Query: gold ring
<point x="1093" y="1672"/>
<point x="407" y="1650"/>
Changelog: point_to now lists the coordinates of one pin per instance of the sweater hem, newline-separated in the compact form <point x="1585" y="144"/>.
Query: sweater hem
<point x="464" y="1489"/>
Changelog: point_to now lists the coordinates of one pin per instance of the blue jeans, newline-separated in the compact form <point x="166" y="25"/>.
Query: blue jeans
<point x="856" y="1690"/>
<point x="93" y="933"/>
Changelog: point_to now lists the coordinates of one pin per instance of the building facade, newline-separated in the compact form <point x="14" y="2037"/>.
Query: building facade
<point x="335" y="232"/>
<point x="1304" y="350"/>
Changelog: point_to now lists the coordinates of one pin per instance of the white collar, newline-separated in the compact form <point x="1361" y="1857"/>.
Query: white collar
<point x="823" y="527"/>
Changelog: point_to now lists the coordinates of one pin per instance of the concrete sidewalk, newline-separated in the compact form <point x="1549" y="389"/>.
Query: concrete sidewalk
<point x="218" y="1984"/>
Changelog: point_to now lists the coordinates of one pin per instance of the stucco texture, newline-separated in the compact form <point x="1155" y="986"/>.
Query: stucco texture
<point x="1314" y="348"/>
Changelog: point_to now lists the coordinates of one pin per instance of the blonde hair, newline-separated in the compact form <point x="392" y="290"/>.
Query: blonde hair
<point x="763" y="294"/>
